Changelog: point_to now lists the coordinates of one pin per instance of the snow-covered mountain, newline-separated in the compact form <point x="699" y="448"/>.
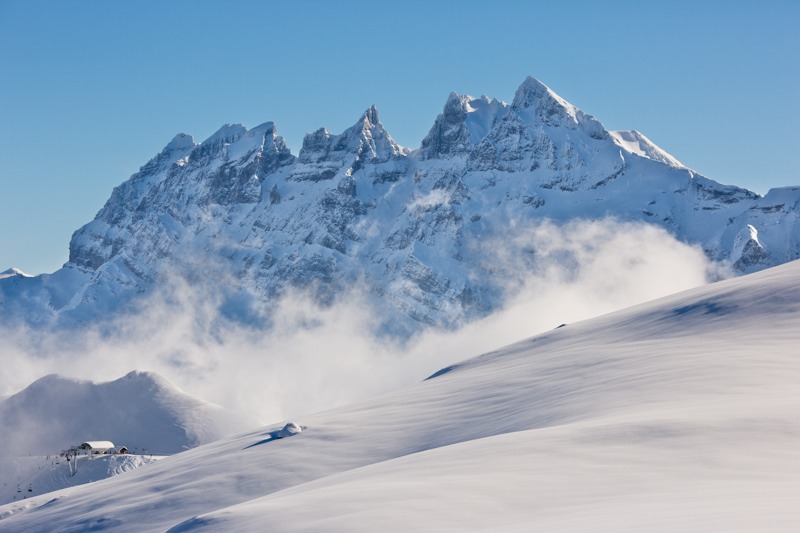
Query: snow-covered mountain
<point x="141" y="410"/>
<point x="679" y="414"/>
<point x="239" y="213"/>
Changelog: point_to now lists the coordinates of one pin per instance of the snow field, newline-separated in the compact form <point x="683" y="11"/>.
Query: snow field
<point x="679" y="414"/>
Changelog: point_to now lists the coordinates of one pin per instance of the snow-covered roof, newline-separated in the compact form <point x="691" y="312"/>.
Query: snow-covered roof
<point x="97" y="445"/>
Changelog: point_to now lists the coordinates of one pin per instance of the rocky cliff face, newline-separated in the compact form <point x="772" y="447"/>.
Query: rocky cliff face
<point x="406" y="226"/>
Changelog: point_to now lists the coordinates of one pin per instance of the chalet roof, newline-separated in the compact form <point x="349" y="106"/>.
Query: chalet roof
<point x="97" y="445"/>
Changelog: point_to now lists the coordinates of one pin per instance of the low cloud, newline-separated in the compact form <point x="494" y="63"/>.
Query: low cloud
<point x="315" y="358"/>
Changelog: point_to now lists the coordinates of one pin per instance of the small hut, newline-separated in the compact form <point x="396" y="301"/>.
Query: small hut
<point x="117" y="450"/>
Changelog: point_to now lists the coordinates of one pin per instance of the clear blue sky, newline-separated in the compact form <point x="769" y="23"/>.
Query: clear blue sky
<point x="89" y="91"/>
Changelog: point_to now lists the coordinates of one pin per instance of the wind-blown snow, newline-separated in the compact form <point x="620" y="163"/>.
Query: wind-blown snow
<point x="680" y="414"/>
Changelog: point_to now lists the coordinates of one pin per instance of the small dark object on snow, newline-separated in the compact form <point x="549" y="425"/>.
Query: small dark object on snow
<point x="288" y="430"/>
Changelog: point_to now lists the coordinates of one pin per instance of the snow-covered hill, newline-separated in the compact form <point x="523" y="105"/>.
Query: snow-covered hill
<point x="679" y="414"/>
<point x="241" y="216"/>
<point x="29" y="476"/>
<point x="142" y="411"/>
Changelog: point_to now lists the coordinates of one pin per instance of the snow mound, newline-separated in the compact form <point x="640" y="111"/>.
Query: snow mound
<point x="291" y="429"/>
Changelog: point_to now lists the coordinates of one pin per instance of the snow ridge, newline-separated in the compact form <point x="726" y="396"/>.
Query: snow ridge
<point x="635" y="142"/>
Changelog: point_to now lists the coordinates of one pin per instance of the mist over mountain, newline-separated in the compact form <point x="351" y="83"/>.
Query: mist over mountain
<point x="243" y="217"/>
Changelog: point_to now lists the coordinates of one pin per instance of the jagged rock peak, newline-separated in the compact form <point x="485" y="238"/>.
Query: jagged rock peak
<point x="536" y="102"/>
<point x="456" y="104"/>
<point x="367" y="139"/>
<point x="368" y="121"/>
<point x="448" y="135"/>
<point x="532" y="91"/>
<point x="370" y="117"/>
<point x="464" y="121"/>
<point x="183" y="144"/>
<point x="266" y="134"/>
<point x="315" y="140"/>
<point x="180" y="142"/>
<point x="228" y="133"/>
<point x="543" y="104"/>
<point x="179" y="147"/>
<point x="373" y="137"/>
<point x="267" y="128"/>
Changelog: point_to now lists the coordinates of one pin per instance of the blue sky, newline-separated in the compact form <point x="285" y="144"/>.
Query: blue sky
<point x="89" y="91"/>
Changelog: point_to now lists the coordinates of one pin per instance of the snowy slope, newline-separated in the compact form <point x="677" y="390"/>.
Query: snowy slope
<point x="637" y="143"/>
<point x="679" y="414"/>
<point x="239" y="213"/>
<point x="29" y="476"/>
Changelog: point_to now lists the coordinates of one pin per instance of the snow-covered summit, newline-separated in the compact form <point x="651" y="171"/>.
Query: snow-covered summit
<point x="14" y="271"/>
<point x="369" y="139"/>
<point x="537" y="103"/>
<point x="463" y="123"/>
<point x="227" y="133"/>
<point x="181" y="142"/>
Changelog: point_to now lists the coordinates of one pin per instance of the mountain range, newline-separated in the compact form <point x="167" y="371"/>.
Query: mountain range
<point x="240" y="215"/>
